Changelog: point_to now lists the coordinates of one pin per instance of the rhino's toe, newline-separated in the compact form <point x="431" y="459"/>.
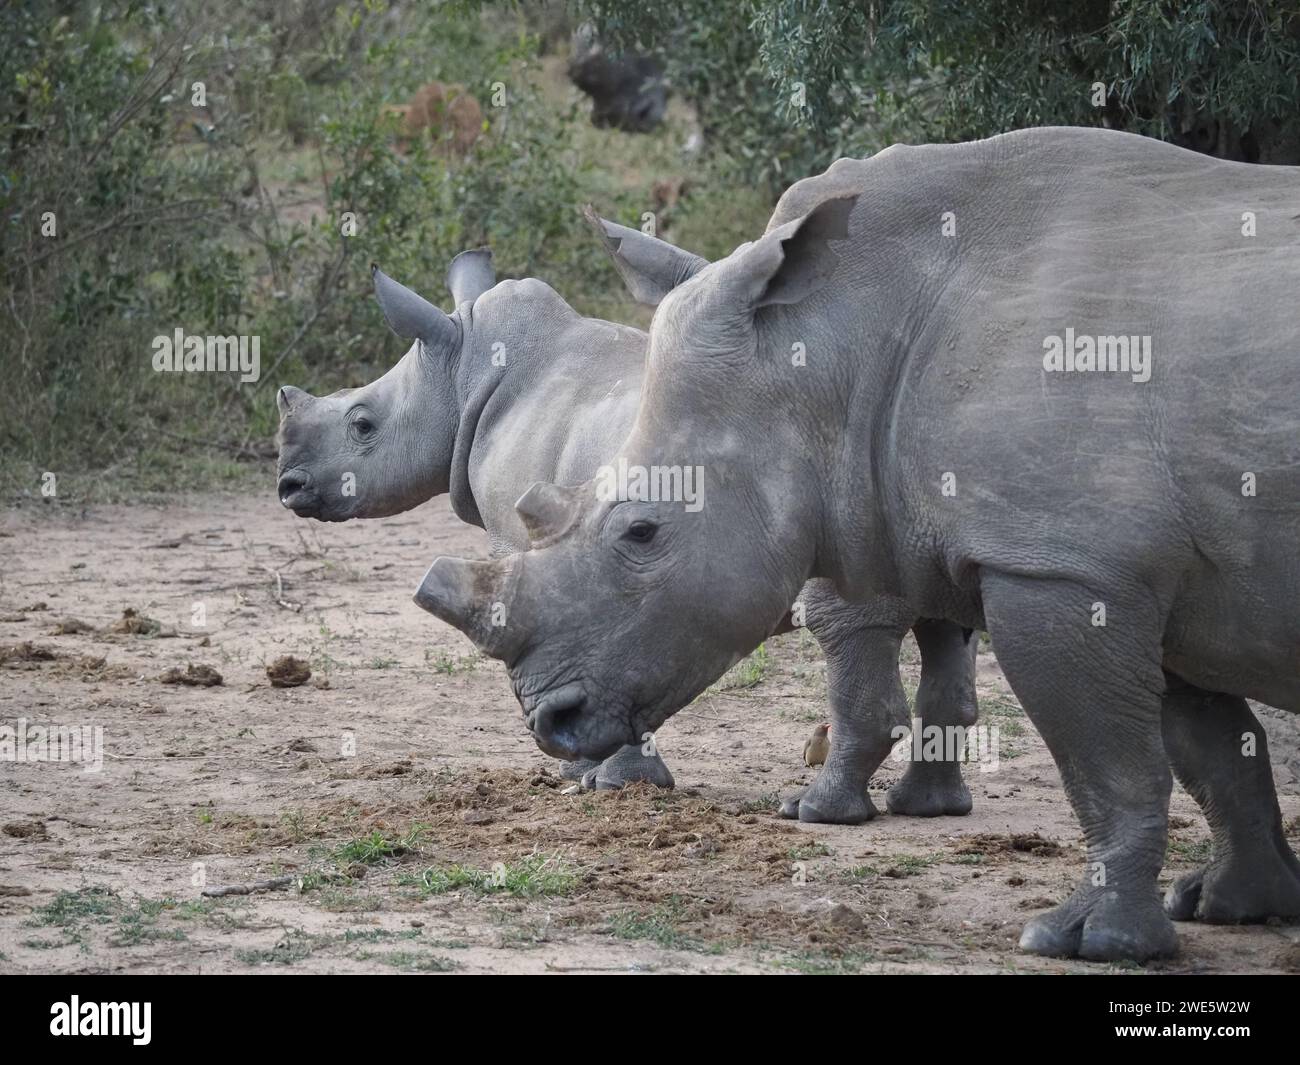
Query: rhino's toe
<point x="930" y="796"/>
<point x="577" y="770"/>
<point x="630" y="766"/>
<point x="1119" y="930"/>
<point x="789" y="808"/>
<point x="1054" y="934"/>
<point x="829" y="806"/>
<point x="1235" y="893"/>
<point x="1105" y="927"/>
<point x="1183" y="895"/>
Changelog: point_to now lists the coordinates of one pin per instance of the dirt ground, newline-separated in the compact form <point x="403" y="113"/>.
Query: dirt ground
<point x="414" y="825"/>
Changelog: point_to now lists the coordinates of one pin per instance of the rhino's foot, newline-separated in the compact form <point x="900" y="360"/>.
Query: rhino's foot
<point x="828" y="806"/>
<point x="930" y="789"/>
<point x="1102" y="925"/>
<point x="1234" y="893"/>
<point x="627" y="766"/>
<point x="577" y="770"/>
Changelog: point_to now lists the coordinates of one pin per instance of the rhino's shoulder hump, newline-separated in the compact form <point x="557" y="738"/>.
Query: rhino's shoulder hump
<point x="526" y="296"/>
<point x="842" y="177"/>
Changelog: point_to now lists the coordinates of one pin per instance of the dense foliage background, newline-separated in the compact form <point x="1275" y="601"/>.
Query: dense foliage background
<point x="228" y="218"/>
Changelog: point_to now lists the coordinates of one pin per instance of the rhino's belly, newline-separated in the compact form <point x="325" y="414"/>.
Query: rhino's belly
<point x="1234" y="639"/>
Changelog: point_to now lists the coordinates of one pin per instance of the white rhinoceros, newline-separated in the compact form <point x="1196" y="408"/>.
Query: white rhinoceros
<point x="1051" y="388"/>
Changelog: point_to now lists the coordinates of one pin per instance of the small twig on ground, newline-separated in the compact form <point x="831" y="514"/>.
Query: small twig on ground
<point x="279" y="591"/>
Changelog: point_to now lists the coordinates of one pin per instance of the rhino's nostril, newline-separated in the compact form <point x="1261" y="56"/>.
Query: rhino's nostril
<point x="556" y="721"/>
<point x="290" y="483"/>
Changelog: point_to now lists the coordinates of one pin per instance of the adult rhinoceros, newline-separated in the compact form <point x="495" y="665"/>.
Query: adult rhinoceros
<point x="515" y="386"/>
<point x="1051" y="387"/>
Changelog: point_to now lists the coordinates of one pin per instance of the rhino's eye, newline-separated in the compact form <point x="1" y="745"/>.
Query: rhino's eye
<point x="641" y="532"/>
<point x="363" y="427"/>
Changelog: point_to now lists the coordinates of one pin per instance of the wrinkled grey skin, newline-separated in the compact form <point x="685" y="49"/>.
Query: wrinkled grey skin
<point x="1074" y="492"/>
<point x="448" y="418"/>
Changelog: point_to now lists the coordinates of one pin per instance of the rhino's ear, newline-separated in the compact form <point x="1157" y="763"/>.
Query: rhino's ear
<point x="410" y="316"/>
<point x="470" y="275"/>
<point x="547" y="510"/>
<point x="650" y="267"/>
<point x="794" y="260"/>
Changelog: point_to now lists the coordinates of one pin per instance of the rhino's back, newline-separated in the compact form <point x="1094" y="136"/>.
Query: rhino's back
<point x="1088" y="475"/>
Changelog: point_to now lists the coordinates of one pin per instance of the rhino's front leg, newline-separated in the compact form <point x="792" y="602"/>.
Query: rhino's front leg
<point x="1094" y="694"/>
<point x="628" y="765"/>
<point x="867" y="704"/>
<point x="945" y="699"/>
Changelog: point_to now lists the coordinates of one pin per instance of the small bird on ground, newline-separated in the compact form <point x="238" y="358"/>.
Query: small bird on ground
<point x="818" y="746"/>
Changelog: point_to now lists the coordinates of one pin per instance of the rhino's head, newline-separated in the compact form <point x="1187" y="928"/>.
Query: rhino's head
<point x="386" y="447"/>
<point x="643" y="585"/>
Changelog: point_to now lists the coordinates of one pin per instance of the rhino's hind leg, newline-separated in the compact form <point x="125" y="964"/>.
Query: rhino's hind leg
<point x="1219" y="753"/>
<point x="866" y="702"/>
<point x="1093" y="692"/>
<point x="627" y="765"/>
<point x="946" y="699"/>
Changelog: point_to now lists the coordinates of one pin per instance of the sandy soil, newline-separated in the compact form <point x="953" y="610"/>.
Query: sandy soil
<point x="417" y="826"/>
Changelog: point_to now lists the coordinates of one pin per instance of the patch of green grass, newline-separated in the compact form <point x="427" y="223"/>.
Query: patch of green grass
<point x="138" y="927"/>
<point x="659" y="925"/>
<point x="448" y="666"/>
<point x="896" y="868"/>
<point x="748" y="673"/>
<point x="996" y="706"/>
<point x="376" y="847"/>
<point x="383" y="663"/>
<point x="911" y="865"/>
<point x="70" y="908"/>
<point x="293" y="946"/>
<point x="803" y="851"/>
<point x="1196" y="852"/>
<point x="136" y="921"/>
<point x="530" y="877"/>
<point x="764" y="804"/>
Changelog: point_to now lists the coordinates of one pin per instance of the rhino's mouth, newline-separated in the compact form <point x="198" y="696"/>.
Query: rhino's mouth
<point x="564" y="725"/>
<point x="296" y="493"/>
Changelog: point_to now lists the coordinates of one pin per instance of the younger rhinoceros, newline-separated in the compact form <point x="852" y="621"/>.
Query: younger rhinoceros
<point x="1050" y="389"/>
<point x="515" y="386"/>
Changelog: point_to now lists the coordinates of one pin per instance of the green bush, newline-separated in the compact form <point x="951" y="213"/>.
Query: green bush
<point x="787" y="86"/>
<point x="229" y="219"/>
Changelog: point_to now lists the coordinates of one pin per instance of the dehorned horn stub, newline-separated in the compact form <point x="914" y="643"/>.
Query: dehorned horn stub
<point x="469" y="596"/>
